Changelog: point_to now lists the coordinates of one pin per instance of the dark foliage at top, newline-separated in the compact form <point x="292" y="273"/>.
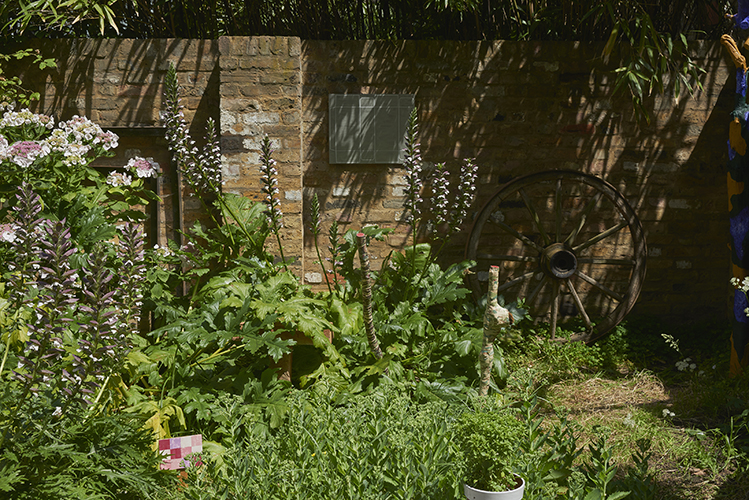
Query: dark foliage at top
<point x="586" y="20"/>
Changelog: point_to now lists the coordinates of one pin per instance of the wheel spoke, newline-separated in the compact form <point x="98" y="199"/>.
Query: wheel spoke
<point x="582" y="218"/>
<point x="562" y="207"/>
<point x="512" y="258"/>
<point x="534" y="215"/>
<point x="605" y="234"/>
<point x="578" y="302"/>
<point x="600" y="286"/>
<point x="610" y="262"/>
<point x="516" y="234"/>
<point x="558" y="210"/>
<point x="536" y="290"/>
<point x="515" y="281"/>
<point x="554" y="308"/>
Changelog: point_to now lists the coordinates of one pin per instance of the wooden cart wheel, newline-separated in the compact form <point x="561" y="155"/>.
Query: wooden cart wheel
<point x="568" y="243"/>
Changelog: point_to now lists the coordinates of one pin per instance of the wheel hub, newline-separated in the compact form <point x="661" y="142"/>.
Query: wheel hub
<point x="558" y="261"/>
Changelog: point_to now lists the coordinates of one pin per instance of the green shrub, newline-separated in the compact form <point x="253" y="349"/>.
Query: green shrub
<point x="378" y="446"/>
<point x="489" y="439"/>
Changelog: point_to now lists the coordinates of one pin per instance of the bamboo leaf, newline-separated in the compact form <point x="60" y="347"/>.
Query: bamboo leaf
<point x="634" y="85"/>
<point x="611" y="41"/>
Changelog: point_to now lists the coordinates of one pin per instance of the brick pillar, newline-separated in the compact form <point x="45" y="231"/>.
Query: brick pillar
<point x="261" y="93"/>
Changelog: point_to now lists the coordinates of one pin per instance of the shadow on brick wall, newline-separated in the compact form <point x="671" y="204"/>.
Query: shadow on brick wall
<point x="528" y="107"/>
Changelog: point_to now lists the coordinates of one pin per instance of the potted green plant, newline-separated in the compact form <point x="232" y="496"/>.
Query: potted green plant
<point x="488" y="439"/>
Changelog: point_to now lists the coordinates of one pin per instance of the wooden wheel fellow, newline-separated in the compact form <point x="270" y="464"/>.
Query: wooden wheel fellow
<point x="568" y="243"/>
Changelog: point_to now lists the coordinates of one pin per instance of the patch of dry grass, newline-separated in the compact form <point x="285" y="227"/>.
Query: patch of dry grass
<point x="688" y="462"/>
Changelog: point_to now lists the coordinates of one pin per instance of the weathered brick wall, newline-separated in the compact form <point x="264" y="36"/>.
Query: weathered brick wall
<point x="517" y="107"/>
<point x="527" y="107"/>
<point x="261" y="95"/>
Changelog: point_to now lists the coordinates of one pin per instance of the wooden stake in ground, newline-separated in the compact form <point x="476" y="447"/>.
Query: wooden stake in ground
<point x="496" y="319"/>
<point x="374" y="344"/>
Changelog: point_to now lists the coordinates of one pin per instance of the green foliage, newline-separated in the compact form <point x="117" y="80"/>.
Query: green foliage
<point x="226" y="331"/>
<point x="655" y="58"/>
<point x="66" y="323"/>
<point x="429" y="332"/>
<point x="548" y="452"/>
<point x="658" y="59"/>
<point x="488" y="439"/>
<point x="58" y="17"/>
<point x="601" y="471"/>
<point x="12" y="89"/>
<point x="641" y="481"/>
<point x="77" y="455"/>
<point x="382" y="445"/>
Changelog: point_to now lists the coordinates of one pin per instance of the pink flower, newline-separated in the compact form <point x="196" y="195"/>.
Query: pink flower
<point x="24" y="153"/>
<point x="143" y="167"/>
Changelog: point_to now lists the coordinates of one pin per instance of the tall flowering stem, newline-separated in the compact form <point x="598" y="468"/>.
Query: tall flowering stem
<point x="23" y="234"/>
<point x="315" y="213"/>
<point x="439" y="198"/>
<point x="467" y="193"/>
<point x="462" y="202"/>
<point x="334" y="239"/>
<point x="412" y="164"/>
<point x="81" y="317"/>
<point x="269" y="178"/>
<point x="201" y="168"/>
<point x="51" y="305"/>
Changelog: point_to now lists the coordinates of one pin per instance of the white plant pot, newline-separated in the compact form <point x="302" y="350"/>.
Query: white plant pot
<point x="475" y="494"/>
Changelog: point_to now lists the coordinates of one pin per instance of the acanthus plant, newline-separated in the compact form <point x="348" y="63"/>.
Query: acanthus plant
<point x="78" y="321"/>
<point x="269" y="178"/>
<point x="201" y="167"/>
<point x="450" y="210"/>
<point x="66" y="320"/>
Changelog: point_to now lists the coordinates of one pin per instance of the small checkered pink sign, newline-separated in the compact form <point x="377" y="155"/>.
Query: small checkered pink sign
<point x="175" y="450"/>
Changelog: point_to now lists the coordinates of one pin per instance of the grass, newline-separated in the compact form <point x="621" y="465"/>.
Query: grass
<point x="629" y="388"/>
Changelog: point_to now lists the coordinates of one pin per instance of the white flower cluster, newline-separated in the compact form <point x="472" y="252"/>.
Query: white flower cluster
<point x="269" y="178"/>
<point x="686" y="364"/>
<point x="741" y="284"/>
<point x="25" y="118"/>
<point x="440" y="192"/>
<point x="7" y="233"/>
<point x="467" y="190"/>
<point x="24" y="153"/>
<point x="162" y="251"/>
<point x="414" y="182"/>
<point x="82" y="130"/>
<point x="141" y="168"/>
<point x="118" y="179"/>
<point x="72" y="140"/>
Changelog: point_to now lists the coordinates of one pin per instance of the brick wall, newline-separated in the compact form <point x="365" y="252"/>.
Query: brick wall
<point x="526" y="107"/>
<point x="261" y="94"/>
<point x="517" y="107"/>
